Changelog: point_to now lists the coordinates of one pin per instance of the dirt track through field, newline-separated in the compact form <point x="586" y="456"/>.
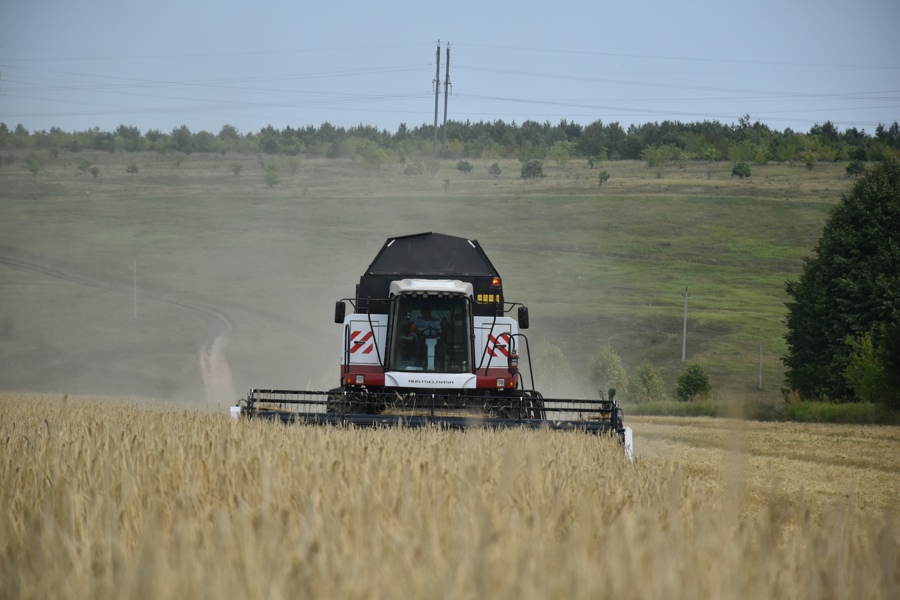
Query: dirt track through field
<point x="218" y="384"/>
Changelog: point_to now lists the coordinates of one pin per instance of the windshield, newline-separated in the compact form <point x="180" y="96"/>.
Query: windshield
<point x="431" y="334"/>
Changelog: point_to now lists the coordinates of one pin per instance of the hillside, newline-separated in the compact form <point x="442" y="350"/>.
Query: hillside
<point x="224" y="256"/>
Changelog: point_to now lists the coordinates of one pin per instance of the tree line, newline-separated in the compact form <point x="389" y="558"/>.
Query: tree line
<point x="656" y="143"/>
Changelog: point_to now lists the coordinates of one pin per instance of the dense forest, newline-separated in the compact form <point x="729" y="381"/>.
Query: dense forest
<point x="655" y="142"/>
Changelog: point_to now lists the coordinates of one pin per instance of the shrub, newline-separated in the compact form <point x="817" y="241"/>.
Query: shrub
<point x="414" y="169"/>
<point x="603" y="177"/>
<point x="464" y="166"/>
<point x="693" y="383"/>
<point x="34" y="164"/>
<point x="532" y="168"/>
<point x="495" y="170"/>
<point x="271" y="175"/>
<point x="856" y="167"/>
<point x="740" y="170"/>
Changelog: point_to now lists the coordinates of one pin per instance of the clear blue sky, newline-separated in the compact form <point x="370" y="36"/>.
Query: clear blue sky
<point x="163" y="64"/>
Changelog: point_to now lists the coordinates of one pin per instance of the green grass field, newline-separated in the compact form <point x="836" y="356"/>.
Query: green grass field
<point x="595" y="266"/>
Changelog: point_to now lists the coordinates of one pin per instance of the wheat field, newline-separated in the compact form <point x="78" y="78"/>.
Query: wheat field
<point x="105" y="498"/>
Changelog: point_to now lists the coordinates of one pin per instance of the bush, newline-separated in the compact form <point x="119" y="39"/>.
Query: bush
<point x="603" y="177"/>
<point x="855" y="168"/>
<point x="34" y="164"/>
<point x="495" y="170"/>
<point x="532" y="168"/>
<point x="740" y="170"/>
<point x="414" y="169"/>
<point x="271" y="176"/>
<point x="464" y="166"/>
<point x="693" y="383"/>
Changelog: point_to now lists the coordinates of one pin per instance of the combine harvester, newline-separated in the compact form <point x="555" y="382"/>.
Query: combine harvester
<point x="429" y="343"/>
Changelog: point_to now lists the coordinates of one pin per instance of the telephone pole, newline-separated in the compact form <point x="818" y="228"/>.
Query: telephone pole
<point x="446" y="94"/>
<point x="759" y="387"/>
<point x="684" y="330"/>
<point x="134" y="277"/>
<point x="437" y="96"/>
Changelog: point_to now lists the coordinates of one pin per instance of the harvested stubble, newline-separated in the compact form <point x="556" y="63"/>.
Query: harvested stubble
<point x="111" y="499"/>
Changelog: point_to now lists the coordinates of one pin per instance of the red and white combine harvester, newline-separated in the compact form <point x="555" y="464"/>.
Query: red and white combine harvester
<point x="430" y="342"/>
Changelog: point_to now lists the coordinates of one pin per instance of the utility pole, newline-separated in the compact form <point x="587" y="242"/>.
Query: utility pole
<point x="684" y="331"/>
<point x="134" y="277"/>
<point x="437" y="96"/>
<point x="760" y="365"/>
<point x="446" y="93"/>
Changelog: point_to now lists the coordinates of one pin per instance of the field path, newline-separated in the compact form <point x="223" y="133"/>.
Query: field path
<point x="218" y="383"/>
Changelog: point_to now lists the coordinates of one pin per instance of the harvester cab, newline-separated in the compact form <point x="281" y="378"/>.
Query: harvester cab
<point x="430" y="340"/>
<point x="429" y="337"/>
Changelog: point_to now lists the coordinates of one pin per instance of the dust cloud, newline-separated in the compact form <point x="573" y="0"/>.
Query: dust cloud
<point x="218" y="383"/>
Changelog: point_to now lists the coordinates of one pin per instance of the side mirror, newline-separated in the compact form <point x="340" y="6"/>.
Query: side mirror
<point x="523" y="317"/>
<point x="612" y="394"/>
<point x="340" y="310"/>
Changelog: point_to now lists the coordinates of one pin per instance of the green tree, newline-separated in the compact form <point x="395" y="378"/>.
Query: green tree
<point x="592" y="142"/>
<point x="602" y="178"/>
<point x="693" y="383"/>
<point x="129" y="138"/>
<point x="34" y="164"/>
<point x="95" y="170"/>
<point x="561" y="152"/>
<point x="230" y="135"/>
<point x="865" y="372"/>
<point x="851" y="286"/>
<point x="183" y="139"/>
<point x="645" y="384"/>
<point x="658" y="156"/>
<point x="132" y="168"/>
<point x="607" y="371"/>
<point x="495" y="170"/>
